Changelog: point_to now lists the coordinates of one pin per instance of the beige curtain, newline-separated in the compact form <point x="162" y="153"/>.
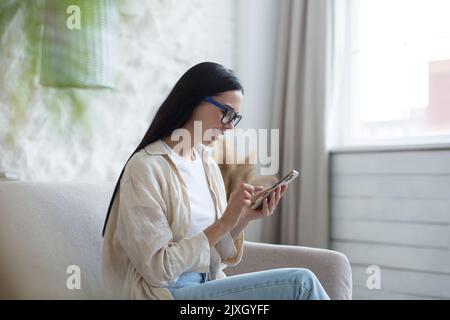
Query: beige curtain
<point x="303" y="95"/>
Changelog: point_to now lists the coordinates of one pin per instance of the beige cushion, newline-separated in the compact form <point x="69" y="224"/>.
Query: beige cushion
<point x="46" y="227"/>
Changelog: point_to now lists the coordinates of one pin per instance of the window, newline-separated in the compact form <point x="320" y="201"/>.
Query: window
<point x="397" y="75"/>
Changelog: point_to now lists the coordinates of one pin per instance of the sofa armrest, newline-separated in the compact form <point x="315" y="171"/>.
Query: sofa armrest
<point x="332" y="268"/>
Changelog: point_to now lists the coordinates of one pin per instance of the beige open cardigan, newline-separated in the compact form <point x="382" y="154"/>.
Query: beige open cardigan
<point x="145" y="247"/>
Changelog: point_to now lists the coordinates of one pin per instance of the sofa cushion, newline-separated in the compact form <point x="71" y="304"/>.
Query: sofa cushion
<point x="44" y="229"/>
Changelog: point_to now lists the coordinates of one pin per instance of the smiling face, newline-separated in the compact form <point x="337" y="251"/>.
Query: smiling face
<point x="211" y="116"/>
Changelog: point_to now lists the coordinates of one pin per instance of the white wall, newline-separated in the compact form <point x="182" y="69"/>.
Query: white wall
<point x="257" y="29"/>
<point x="48" y="134"/>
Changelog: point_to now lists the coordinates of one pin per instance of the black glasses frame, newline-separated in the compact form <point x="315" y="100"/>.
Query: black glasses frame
<point x="235" y="117"/>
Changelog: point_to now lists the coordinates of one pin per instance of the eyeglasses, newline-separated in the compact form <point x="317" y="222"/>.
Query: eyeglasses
<point x="229" y="114"/>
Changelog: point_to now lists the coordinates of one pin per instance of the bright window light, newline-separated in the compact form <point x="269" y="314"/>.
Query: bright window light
<point x="399" y="68"/>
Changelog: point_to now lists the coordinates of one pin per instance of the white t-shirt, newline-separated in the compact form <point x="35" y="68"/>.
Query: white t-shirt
<point x="202" y="206"/>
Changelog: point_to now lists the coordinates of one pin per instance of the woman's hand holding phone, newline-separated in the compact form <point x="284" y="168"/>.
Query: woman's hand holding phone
<point x="268" y="206"/>
<point x="231" y="219"/>
<point x="257" y="201"/>
<point x="239" y="205"/>
<point x="239" y="199"/>
<point x="249" y="202"/>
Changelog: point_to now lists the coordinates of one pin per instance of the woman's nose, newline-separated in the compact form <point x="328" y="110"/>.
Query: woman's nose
<point x="229" y="126"/>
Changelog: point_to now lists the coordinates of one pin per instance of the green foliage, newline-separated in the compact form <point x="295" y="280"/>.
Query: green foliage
<point x="21" y="31"/>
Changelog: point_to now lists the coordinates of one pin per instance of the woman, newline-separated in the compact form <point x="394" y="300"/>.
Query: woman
<point x="169" y="231"/>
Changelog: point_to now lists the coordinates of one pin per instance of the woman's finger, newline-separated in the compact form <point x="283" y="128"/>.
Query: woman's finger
<point x="272" y="201"/>
<point x="247" y="194"/>
<point x="258" y="190"/>
<point x="247" y="187"/>
<point x="265" y="208"/>
<point x="277" y="197"/>
<point x="284" y="189"/>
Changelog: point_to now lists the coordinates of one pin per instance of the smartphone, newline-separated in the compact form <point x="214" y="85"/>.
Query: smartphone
<point x="257" y="203"/>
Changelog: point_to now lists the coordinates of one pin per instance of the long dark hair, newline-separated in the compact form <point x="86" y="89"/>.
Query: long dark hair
<point x="203" y="79"/>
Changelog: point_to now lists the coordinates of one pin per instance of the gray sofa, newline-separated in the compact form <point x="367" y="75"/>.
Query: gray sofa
<point x="47" y="227"/>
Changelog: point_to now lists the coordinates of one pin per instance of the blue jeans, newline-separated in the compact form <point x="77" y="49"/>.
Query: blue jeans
<point x="276" y="284"/>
